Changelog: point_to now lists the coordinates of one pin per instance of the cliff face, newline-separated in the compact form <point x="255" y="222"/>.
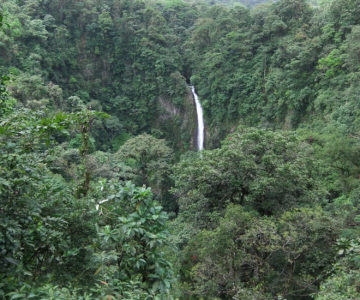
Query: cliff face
<point x="179" y="125"/>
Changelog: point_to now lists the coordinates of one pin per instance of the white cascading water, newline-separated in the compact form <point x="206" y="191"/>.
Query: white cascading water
<point x="200" y="120"/>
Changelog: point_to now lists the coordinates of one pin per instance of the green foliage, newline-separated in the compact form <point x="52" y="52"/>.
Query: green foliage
<point x="273" y="66"/>
<point x="268" y="171"/>
<point x="151" y="160"/>
<point x="337" y="157"/>
<point x="49" y="235"/>
<point x="140" y="63"/>
<point x="250" y="218"/>
<point x="344" y="282"/>
<point x="251" y="256"/>
<point x="332" y="63"/>
<point x="6" y="103"/>
<point x="267" y="214"/>
<point x="39" y="213"/>
<point x="132" y="235"/>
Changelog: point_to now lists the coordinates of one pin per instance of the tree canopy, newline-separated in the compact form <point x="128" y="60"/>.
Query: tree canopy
<point x="102" y="195"/>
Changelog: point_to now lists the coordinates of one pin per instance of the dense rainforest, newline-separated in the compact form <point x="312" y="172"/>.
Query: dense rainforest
<point x="103" y="194"/>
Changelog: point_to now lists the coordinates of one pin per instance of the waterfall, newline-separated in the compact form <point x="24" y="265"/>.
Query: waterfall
<point x="200" y="121"/>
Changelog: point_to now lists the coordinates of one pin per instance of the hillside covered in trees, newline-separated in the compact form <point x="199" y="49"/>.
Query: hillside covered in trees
<point x="103" y="194"/>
